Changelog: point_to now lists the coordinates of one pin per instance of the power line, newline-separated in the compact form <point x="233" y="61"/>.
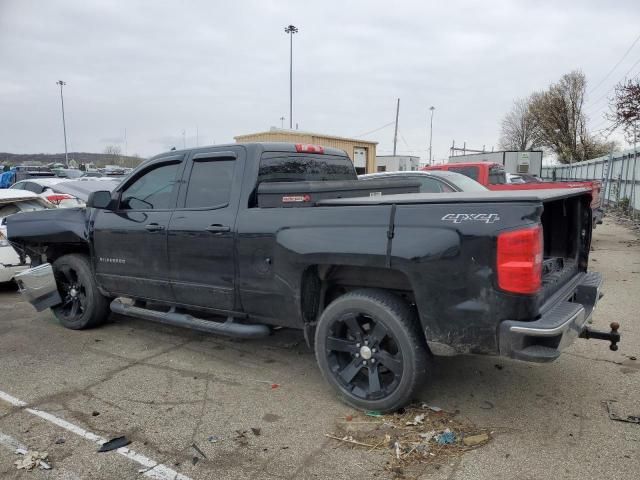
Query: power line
<point x="616" y="65"/>
<point x="375" y="130"/>
<point x="596" y="102"/>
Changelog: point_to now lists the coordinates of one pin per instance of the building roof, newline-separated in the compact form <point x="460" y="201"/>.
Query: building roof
<point x="284" y="131"/>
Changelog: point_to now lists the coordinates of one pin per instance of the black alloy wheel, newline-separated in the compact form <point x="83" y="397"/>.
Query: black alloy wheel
<point x="364" y="356"/>
<point x="370" y="348"/>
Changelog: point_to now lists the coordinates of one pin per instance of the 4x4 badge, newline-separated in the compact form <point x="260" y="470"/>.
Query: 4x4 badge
<point x="471" y="217"/>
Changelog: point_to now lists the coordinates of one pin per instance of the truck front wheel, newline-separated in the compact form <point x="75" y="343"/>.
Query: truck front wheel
<point x="370" y="349"/>
<point x="82" y="304"/>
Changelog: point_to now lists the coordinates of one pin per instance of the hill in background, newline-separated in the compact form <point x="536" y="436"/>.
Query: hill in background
<point x="98" y="159"/>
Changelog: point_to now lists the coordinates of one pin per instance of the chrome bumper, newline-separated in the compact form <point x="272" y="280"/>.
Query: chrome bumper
<point x="561" y="323"/>
<point x="39" y="287"/>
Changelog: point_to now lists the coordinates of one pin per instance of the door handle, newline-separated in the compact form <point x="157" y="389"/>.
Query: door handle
<point x="154" y="227"/>
<point x="217" y="228"/>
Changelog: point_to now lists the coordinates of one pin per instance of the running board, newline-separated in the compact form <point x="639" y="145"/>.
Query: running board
<point x="228" y="328"/>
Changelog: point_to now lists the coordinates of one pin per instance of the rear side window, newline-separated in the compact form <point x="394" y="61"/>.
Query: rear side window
<point x="210" y="183"/>
<point x="154" y="190"/>
<point x="431" y="185"/>
<point x="300" y="168"/>
<point x="497" y="176"/>
<point x="471" y="172"/>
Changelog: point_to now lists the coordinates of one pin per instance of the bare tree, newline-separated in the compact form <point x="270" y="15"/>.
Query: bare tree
<point x="519" y="129"/>
<point x="625" y="108"/>
<point x="559" y="116"/>
<point x="114" y="154"/>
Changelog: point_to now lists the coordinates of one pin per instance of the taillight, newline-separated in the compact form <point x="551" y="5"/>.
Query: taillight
<point x="520" y="260"/>
<point x="58" y="197"/>
<point x="307" y="148"/>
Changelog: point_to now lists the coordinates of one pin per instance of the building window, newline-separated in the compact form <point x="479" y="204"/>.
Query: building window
<point x="382" y="168"/>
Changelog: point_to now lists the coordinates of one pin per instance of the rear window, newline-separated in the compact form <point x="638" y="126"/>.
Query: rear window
<point x="471" y="172"/>
<point x="497" y="176"/>
<point x="304" y="168"/>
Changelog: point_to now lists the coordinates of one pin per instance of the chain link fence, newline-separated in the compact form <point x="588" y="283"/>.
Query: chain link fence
<point x="619" y="173"/>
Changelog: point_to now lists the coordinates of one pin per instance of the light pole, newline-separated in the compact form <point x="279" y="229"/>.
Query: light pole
<point x="290" y="30"/>
<point x="64" y="125"/>
<point x="282" y="122"/>
<point x="432" y="108"/>
<point x="184" y="139"/>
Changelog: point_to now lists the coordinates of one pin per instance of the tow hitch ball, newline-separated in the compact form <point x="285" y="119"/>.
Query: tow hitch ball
<point x="613" y="336"/>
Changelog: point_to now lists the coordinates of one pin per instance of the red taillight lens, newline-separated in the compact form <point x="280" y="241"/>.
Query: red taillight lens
<point x="58" y="197"/>
<point x="307" y="148"/>
<point x="520" y="260"/>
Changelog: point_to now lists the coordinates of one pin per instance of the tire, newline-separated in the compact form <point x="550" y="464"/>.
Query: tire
<point x="378" y="325"/>
<point x="82" y="304"/>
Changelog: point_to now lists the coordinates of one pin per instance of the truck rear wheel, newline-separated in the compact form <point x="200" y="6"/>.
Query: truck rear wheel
<point x="82" y="304"/>
<point x="370" y="349"/>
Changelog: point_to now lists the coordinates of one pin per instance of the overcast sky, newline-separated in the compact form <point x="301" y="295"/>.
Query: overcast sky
<point x="158" y="68"/>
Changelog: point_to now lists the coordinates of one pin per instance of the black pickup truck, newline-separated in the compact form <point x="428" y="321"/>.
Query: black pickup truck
<point x="269" y="234"/>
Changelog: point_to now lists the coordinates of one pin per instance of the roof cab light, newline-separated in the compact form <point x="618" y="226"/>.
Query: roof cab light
<point x="519" y="260"/>
<point x="308" y="148"/>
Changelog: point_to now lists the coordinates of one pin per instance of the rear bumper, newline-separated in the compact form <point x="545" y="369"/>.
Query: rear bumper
<point x="563" y="319"/>
<point x="39" y="287"/>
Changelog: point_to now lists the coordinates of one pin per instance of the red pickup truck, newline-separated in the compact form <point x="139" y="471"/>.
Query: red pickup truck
<point x="492" y="176"/>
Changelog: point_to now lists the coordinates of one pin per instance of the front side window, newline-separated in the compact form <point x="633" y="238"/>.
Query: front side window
<point x="154" y="190"/>
<point x="210" y="183"/>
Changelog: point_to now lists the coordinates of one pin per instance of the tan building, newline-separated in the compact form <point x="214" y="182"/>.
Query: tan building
<point x="361" y="152"/>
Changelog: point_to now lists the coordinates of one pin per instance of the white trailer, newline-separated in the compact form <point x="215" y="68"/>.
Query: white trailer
<point x="514" y="162"/>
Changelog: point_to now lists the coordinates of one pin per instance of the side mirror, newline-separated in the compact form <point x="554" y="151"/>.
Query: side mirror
<point x="100" y="200"/>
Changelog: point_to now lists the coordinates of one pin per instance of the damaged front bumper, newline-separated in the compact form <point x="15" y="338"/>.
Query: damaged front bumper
<point x="38" y="285"/>
<point x="563" y="319"/>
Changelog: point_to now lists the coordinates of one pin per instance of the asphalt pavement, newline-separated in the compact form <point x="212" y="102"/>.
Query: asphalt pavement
<point x="167" y="389"/>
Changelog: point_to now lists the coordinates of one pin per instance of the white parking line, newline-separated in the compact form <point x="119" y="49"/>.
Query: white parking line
<point x="155" y="470"/>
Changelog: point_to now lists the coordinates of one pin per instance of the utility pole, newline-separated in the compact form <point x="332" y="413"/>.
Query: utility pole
<point x="282" y="123"/>
<point x="197" y="137"/>
<point x="290" y="30"/>
<point x="184" y="139"/>
<point x="395" y="135"/>
<point x="432" y="108"/>
<point x="125" y="143"/>
<point x="64" y="125"/>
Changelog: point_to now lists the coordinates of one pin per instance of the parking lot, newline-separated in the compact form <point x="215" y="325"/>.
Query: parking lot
<point x="168" y="389"/>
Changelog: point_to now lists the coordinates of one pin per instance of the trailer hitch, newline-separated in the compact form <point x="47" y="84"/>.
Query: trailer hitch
<point x="613" y="336"/>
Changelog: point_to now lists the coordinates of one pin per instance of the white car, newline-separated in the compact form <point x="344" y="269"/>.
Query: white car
<point x="47" y="188"/>
<point x="15" y="201"/>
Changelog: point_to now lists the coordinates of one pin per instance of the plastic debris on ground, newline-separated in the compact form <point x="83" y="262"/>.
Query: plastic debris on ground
<point x="31" y="459"/>
<point x="416" y="435"/>
<point x="114" y="444"/>
<point x="616" y="412"/>
<point x="446" y="438"/>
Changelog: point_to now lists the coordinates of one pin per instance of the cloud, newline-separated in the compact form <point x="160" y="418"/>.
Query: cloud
<point x="222" y="68"/>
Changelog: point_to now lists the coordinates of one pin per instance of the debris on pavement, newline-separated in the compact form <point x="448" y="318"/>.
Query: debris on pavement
<point x="214" y="438"/>
<point x="446" y="438"/>
<point x="114" y="444"/>
<point x="59" y="441"/>
<point x="241" y="438"/>
<point x="486" y="405"/>
<point x="256" y="431"/>
<point x="197" y="449"/>
<point x="31" y="459"/>
<point x="417" y="420"/>
<point x="418" y="434"/>
<point x="274" y="386"/>
<point x="615" y="413"/>
<point x="95" y="413"/>
<point x="473" y="440"/>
